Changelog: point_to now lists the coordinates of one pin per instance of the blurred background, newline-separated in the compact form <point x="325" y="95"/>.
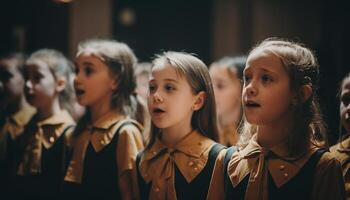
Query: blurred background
<point x="209" y="28"/>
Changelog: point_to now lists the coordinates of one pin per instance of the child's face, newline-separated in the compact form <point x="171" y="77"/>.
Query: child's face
<point x="170" y="98"/>
<point x="267" y="97"/>
<point x="345" y="104"/>
<point x="11" y="84"/>
<point x="93" y="82"/>
<point x="40" y="84"/>
<point x="142" y="85"/>
<point x="227" y="90"/>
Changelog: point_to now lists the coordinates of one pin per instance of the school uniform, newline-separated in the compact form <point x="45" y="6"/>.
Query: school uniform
<point x="101" y="154"/>
<point x="39" y="156"/>
<point x="341" y="152"/>
<point x="191" y="170"/>
<point x="255" y="172"/>
<point x="9" y="131"/>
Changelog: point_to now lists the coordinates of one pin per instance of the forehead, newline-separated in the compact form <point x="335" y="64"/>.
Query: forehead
<point x="89" y="58"/>
<point x="36" y="65"/>
<point x="165" y="71"/>
<point x="9" y="66"/>
<point x="264" y="60"/>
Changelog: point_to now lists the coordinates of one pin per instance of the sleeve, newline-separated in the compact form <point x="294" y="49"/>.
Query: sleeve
<point x="129" y="144"/>
<point x="216" y="187"/>
<point x="328" y="180"/>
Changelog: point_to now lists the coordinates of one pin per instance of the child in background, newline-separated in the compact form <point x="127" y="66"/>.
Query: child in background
<point x="282" y="153"/>
<point x="41" y="148"/>
<point x="226" y="74"/>
<point x="142" y="73"/>
<point x="182" y="159"/>
<point x="106" y="139"/>
<point x="15" y="112"/>
<point x="342" y="150"/>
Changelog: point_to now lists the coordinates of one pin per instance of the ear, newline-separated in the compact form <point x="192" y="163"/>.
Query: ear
<point x="199" y="101"/>
<point x="60" y="84"/>
<point x="306" y="92"/>
<point x="114" y="85"/>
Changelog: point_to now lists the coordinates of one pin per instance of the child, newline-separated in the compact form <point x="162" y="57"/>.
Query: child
<point x="106" y="140"/>
<point x="282" y="153"/>
<point x="41" y="148"/>
<point x="142" y="73"/>
<point x="15" y="112"/>
<point x="342" y="149"/>
<point x="182" y="156"/>
<point x="226" y="74"/>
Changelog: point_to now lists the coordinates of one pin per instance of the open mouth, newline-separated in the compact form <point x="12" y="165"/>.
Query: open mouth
<point x="158" y="111"/>
<point x="252" y="104"/>
<point x="79" y="92"/>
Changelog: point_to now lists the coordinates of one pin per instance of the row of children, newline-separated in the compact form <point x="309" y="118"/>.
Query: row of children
<point x="279" y="152"/>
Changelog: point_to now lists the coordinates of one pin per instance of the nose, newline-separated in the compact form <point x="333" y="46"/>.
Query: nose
<point x="251" y="89"/>
<point x="28" y="84"/>
<point x="157" y="98"/>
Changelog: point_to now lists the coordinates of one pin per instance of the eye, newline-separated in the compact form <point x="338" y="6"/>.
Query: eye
<point x="345" y="100"/>
<point x="169" y="88"/>
<point x="151" y="87"/>
<point x="88" y="70"/>
<point x="246" y="79"/>
<point x="220" y="86"/>
<point x="76" y="70"/>
<point x="266" y="78"/>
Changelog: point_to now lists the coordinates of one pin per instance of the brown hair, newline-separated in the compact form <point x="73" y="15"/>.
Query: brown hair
<point x="302" y="68"/>
<point x="59" y="66"/>
<point x="197" y="75"/>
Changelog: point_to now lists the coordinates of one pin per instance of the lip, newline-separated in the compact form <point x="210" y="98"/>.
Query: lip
<point x="79" y="92"/>
<point x="157" y="112"/>
<point x="251" y="104"/>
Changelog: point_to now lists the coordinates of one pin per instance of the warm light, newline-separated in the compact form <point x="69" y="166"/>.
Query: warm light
<point x="63" y="1"/>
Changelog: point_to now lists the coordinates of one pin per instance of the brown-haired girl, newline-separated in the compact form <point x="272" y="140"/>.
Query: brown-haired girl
<point x="226" y="74"/>
<point x="342" y="150"/>
<point x="42" y="145"/>
<point x="282" y="153"/>
<point x="106" y="140"/>
<point x="182" y="159"/>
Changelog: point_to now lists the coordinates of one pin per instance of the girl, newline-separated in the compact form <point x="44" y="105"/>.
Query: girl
<point x="281" y="154"/>
<point x="182" y="156"/>
<point x="15" y="111"/>
<point x="106" y="141"/>
<point x="226" y="74"/>
<point x="342" y="149"/>
<point x="41" y="147"/>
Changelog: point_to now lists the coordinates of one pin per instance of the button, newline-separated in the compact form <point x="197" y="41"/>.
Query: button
<point x="285" y="175"/>
<point x="154" y="153"/>
<point x="157" y="189"/>
<point x="282" y="167"/>
<point x="51" y="139"/>
<point x="195" y="169"/>
<point x="190" y="163"/>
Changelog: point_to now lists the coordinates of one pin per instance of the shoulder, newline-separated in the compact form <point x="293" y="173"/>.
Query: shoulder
<point x="327" y="162"/>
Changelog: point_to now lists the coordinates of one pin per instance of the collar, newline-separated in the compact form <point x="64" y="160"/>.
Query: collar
<point x="22" y="117"/>
<point x="341" y="151"/>
<point x="280" y="165"/>
<point x="53" y="127"/>
<point x="190" y="156"/>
